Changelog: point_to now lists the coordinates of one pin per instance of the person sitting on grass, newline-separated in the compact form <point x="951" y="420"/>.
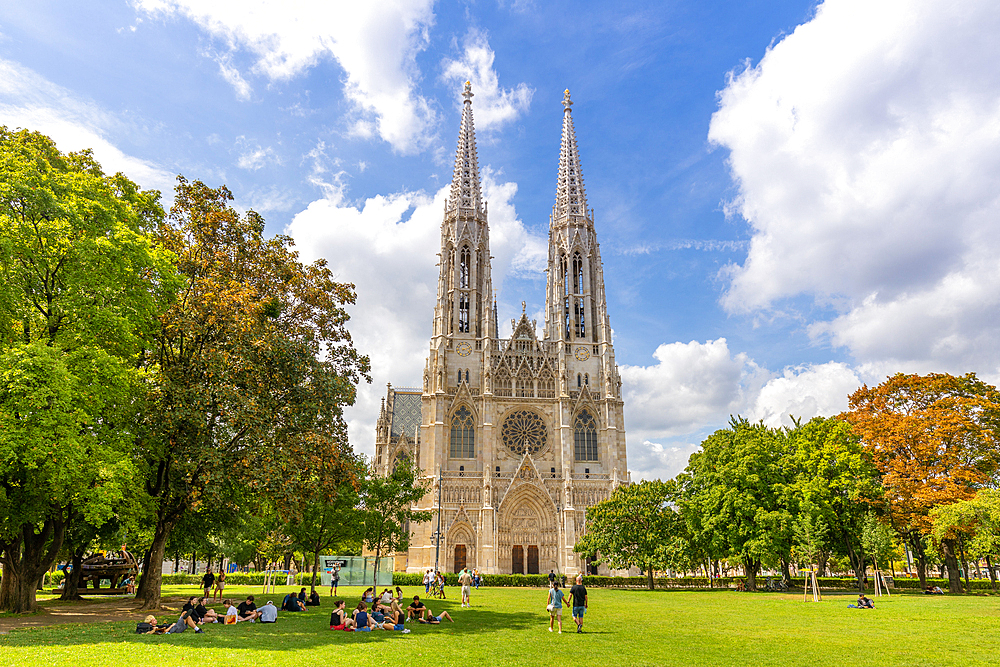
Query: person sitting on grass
<point x="933" y="590"/>
<point x="416" y="609"/>
<point x="190" y="605"/>
<point x="363" y="622"/>
<point x="248" y="610"/>
<point x="207" y="615"/>
<point x="399" y="595"/>
<point x="292" y="603"/>
<point x="313" y="600"/>
<point x="339" y="620"/>
<point x="435" y="620"/>
<point x="395" y="619"/>
<point x="232" y="614"/>
<point x="269" y="613"/>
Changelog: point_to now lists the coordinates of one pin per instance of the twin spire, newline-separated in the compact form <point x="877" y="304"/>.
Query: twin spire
<point x="466" y="195"/>
<point x="571" y="199"/>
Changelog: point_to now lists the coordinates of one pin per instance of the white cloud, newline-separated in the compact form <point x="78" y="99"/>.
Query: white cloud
<point x="805" y="392"/>
<point x="30" y="101"/>
<point x="376" y="43"/>
<point x="254" y="156"/>
<point x="233" y="76"/>
<point x="866" y="150"/>
<point x="387" y="247"/>
<point x="494" y="105"/>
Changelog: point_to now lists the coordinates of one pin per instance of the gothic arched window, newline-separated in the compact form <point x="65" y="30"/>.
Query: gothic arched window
<point x="586" y="379"/>
<point x="585" y="437"/>
<point x="577" y="273"/>
<point x="463" y="435"/>
<point x="579" y="380"/>
<point x="463" y="268"/>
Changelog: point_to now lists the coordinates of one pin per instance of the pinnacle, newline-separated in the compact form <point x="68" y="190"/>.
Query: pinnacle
<point x="571" y="197"/>
<point x="466" y="194"/>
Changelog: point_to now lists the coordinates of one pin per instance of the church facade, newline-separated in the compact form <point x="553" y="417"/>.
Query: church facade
<point x="518" y="435"/>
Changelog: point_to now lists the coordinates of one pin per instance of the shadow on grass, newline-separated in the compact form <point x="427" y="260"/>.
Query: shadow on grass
<point x="293" y="631"/>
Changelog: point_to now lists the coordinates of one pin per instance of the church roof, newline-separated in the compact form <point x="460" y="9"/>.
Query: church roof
<point x="405" y="411"/>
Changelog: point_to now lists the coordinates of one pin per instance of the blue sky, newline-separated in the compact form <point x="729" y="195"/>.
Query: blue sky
<point x="791" y="198"/>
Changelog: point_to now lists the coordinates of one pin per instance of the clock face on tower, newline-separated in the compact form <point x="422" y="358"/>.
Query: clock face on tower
<point x="464" y="350"/>
<point x="582" y="354"/>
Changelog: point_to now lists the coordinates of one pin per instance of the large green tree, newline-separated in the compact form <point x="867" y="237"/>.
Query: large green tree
<point x="736" y="485"/>
<point x="387" y="509"/>
<point x="253" y="356"/>
<point x="979" y="519"/>
<point x="632" y="528"/>
<point x="81" y="287"/>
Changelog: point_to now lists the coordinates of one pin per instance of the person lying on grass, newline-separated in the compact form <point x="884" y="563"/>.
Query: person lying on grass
<point x="154" y="629"/>
<point x="416" y="609"/>
<point x="434" y="620"/>
<point x="339" y="620"/>
<point x="863" y="603"/>
<point x="183" y="623"/>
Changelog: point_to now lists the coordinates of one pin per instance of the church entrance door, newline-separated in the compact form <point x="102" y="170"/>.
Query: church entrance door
<point x="517" y="558"/>
<point x="459" y="557"/>
<point x="533" y="559"/>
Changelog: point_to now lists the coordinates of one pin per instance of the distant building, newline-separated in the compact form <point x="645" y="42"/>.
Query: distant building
<point x="525" y="433"/>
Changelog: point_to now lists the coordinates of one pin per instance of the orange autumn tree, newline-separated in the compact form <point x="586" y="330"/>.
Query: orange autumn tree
<point x="935" y="440"/>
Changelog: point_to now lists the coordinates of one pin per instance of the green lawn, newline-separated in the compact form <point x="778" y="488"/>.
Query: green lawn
<point x="509" y="626"/>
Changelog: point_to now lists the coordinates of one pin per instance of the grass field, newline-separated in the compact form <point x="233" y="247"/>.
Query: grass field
<point x="509" y="626"/>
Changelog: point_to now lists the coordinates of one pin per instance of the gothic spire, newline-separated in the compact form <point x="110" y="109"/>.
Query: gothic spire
<point x="466" y="196"/>
<point x="571" y="199"/>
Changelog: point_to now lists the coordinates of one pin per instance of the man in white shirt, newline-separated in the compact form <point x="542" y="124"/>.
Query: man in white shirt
<point x="427" y="581"/>
<point x="466" y="580"/>
<point x="268" y="613"/>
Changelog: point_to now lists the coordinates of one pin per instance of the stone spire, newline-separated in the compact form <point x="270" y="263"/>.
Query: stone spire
<point x="571" y="199"/>
<point x="466" y="197"/>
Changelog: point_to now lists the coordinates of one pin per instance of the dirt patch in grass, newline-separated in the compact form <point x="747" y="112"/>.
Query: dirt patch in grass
<point x="95" y="610"/>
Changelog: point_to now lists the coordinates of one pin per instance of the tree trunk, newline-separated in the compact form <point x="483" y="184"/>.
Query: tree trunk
<point x="149" y="590"/>
<point x="786" y="574"/>
<point x="315" y="568"/>
<point x="951" y="562"/>
<point x="71" y="583"/>
<point x="750" y="567"/>
<point x="920" y="556"/>
<point x="650" y="583"/>
<point x="25" y="560"/>
<point x="993" y="575"/>
<point x="965" y="564"/>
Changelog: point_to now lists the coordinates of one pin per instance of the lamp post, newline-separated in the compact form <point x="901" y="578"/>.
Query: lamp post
<point x="437" y="534"/>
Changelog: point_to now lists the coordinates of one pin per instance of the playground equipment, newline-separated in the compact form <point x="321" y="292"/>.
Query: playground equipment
<point x="114" y="566"/>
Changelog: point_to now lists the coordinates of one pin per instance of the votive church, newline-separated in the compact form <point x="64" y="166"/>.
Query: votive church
<point x="519" y="435"/>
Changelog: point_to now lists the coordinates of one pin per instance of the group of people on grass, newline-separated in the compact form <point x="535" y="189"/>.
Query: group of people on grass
<point x="384" y="612"/>
<point x="577" y="599"/>
<point x="194" y="613"/>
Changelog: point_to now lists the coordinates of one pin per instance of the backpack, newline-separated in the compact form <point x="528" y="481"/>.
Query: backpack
<point x="143" y="628"/>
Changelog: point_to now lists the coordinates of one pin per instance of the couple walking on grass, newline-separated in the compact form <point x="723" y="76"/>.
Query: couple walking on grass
<point x="578" y="593"/>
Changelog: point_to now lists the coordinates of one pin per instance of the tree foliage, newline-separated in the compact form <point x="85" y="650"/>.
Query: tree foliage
<point x="253" y="359"/>
<point x="81" y="286"/>
<point x="935" y="440"/>
<point x="632" y="528"/>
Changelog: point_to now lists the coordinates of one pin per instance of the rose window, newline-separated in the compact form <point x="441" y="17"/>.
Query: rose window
<point x="523" y="432"/>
